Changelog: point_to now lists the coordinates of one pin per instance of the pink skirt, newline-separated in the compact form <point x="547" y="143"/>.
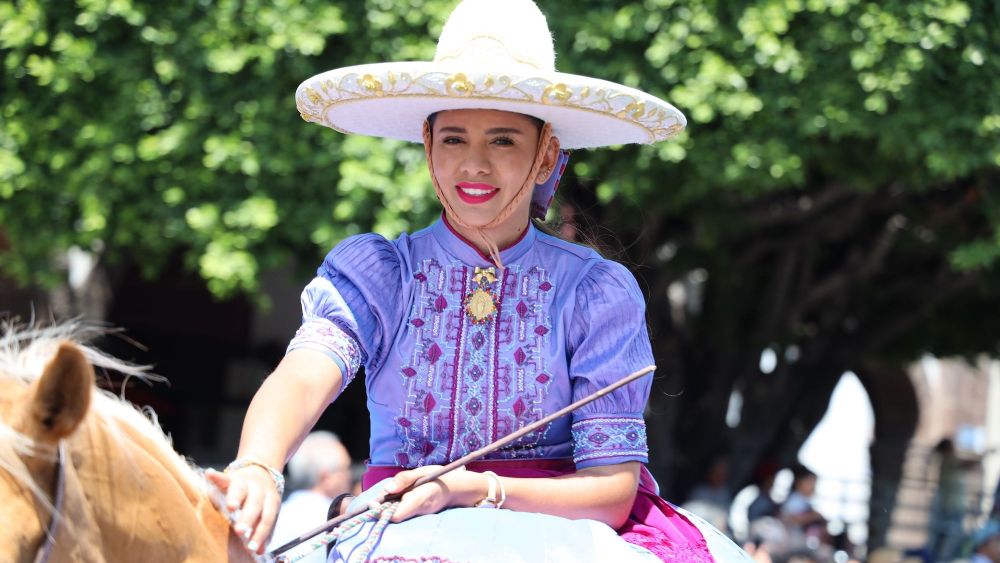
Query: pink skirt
<point x="653" y="523"/>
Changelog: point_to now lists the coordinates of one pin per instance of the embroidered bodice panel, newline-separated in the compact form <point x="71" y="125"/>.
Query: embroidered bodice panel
<point x="459" y="353"/>
<point x="500" y="364"/>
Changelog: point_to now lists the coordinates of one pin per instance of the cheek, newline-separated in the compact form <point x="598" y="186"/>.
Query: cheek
<point x="437" y="163"/>
<point x="517" y="167"/>
<point x="441" y="170"/>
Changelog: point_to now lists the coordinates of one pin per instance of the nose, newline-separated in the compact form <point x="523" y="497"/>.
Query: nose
<point x="475" y="162"/>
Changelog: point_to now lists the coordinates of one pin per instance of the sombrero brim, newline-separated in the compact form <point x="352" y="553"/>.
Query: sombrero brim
<point x="392" y="100"/>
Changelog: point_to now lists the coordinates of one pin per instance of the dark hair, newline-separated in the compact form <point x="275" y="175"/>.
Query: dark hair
<point x="945" y="446"/>
<point x="538" y="122"/>
<point x="800" y="472"/>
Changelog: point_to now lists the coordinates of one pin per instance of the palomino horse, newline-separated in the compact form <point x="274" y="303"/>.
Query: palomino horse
<point x="86" y="477"/>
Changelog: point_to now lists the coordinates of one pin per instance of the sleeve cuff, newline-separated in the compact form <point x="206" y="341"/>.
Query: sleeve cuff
<point x="326" y="337"/>
<point x="603" y="440"/>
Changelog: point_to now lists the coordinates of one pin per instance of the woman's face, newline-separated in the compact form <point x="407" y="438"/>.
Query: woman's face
<point x="481" y="158"/>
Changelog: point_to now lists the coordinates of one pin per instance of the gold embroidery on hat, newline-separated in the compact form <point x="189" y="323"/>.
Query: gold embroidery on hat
<point x="460" y="83"/>
<point x="635" y="110"/>
<point x="372" y="84"/>
<point x="317" y="99"/>
<point x="556" y="92"/>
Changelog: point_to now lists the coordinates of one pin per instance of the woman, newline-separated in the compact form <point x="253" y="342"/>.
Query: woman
<point x="480" y="324"/>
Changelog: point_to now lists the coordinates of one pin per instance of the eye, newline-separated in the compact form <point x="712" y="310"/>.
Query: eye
<point x="452" y="140"/>
<point x="504" y="141"/>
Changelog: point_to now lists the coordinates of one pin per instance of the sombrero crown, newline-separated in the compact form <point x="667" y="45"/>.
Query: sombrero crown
<point x="492" y="54"/>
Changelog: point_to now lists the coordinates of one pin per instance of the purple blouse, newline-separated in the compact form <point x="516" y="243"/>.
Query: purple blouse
<point x="443" y="382"/>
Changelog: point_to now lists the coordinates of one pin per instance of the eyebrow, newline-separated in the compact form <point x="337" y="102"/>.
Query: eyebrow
<point x="492" y="131"/>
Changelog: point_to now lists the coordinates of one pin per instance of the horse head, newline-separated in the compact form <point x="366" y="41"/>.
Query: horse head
<point x="85" y="476"/>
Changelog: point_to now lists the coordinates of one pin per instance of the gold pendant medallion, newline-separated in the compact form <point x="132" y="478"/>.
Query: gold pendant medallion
<point x="480" y="305"/>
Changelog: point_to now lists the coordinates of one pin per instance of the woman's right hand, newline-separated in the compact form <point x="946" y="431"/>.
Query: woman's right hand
<point x="252" y="497"/>
<point x="281" y="413"/>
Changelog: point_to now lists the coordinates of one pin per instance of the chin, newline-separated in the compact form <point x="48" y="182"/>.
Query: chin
<point x="476" y="218"/>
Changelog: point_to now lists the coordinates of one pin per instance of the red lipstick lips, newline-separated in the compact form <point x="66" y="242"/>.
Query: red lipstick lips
<point x="475" y="193"/>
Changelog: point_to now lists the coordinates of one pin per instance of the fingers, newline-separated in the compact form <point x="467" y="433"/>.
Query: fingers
<point x="404" y="479"/>
<point x="401" y="481"/>
<point x="218" y="479"/>
<point x="236" y="494"/>
<point x="247" y="510"/>
<point x="428" y="498"/>
<point x="270" y="504"/>
<point x="254" y="503"/>
<point x="413" y="503"/>
<point x="218" y="485"/>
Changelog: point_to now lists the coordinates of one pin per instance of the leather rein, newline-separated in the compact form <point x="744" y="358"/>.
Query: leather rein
<point x="45" y="550"/>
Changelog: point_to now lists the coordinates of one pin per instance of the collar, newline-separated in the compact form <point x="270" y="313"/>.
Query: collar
<point x="461" y="248"/>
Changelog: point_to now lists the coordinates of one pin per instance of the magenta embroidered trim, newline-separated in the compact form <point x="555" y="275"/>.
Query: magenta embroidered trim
<point x="609" y="437"/>
<point x="323" y="335"/>
<point x="494" y="383"/>
<point x="455" y="371"/>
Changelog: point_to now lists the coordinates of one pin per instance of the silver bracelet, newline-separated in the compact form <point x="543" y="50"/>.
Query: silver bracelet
<point x="491" y="500"/>
<point x="276" y="476"/>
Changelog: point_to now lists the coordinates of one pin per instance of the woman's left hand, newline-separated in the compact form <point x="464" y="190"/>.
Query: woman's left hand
<point x="456" y="488"/>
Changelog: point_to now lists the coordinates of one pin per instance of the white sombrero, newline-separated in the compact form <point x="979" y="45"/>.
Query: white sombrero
<point x="492" y="54"/>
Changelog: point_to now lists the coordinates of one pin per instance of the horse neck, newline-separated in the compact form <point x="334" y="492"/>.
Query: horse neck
<point x="131" y="489"/>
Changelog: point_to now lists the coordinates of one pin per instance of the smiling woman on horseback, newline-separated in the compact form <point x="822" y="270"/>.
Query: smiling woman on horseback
<point x="480" y="324"/>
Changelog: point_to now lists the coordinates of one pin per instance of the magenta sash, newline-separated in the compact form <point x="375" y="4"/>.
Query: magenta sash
<point x="653" y="522"/>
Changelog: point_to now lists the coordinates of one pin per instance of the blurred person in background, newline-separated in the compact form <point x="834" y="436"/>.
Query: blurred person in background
<point x="995" y="512"/>
<point x="766" y="533"/>
<point x="949" y="504"/>
<point x="764" y="505"/>
<point x="797" y="510"/>
<point x="711" y="498"/>
<point x="806" y="526"/>
<point x="319" y="472"/>
<point x="985" y="543"/>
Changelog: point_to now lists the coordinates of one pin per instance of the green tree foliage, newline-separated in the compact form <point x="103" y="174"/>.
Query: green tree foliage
<point x="832" y="199"/>
<point x="140" y="128"/>
<point x="137" y="127"/>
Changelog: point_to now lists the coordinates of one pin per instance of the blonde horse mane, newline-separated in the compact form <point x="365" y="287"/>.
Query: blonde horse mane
<point x="24" y="352"/>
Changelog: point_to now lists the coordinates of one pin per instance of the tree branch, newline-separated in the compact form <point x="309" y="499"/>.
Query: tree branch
<point x="784" y="209"/>
<point x="859" y="268"/>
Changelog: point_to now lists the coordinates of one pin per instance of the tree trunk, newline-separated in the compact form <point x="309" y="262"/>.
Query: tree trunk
<point x="894" y="401"/>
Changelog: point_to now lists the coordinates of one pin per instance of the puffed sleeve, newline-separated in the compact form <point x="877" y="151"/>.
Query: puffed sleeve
<point x="351" y="309"/>
<point x="607" y="341"/>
